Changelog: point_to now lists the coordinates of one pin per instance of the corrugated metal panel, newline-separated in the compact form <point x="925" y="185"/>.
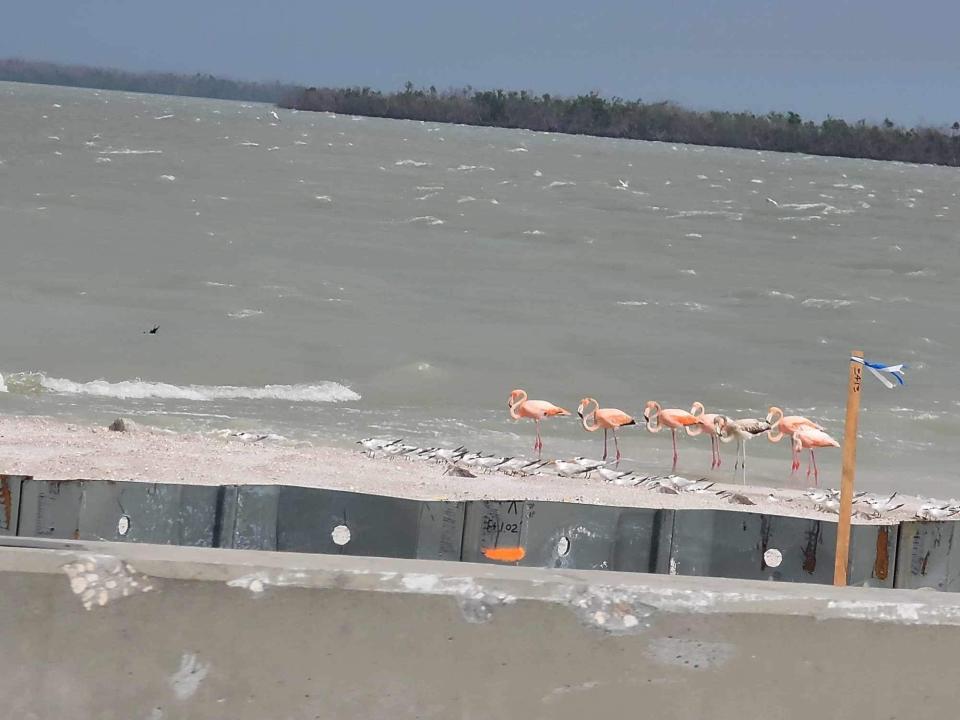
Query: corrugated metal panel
<point x="163" y="514"/>
<point x="10" y="502"/>
<point x="50" y="508"/>
<point x="315" y="520"/>
<point x="926" y="557"/>
<point x="724" y="543"/>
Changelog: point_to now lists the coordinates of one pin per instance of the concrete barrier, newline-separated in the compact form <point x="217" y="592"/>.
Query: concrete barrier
<point x="109" y="631"/>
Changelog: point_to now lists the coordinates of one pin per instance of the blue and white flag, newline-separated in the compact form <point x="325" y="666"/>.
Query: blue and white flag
<point x="896" y="371"/>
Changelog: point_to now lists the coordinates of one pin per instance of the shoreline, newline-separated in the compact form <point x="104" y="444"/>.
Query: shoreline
<point x="50" y="449"/>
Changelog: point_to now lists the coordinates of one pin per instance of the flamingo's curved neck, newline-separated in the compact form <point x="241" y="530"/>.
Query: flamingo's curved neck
<point x="653" y="418"/>
<point x="775" y="433"/>
<point x="591" y="414"/>
<point x="696" y="410"/>
<point x="516" y="402"/>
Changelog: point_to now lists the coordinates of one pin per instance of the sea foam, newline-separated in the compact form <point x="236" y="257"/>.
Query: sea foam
<point x="140" y="389"/>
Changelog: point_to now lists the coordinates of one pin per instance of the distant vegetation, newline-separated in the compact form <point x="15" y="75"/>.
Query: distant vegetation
<point x="583" y="115"/>
<point x="619" y="118"/>
<point x="199" y="85"/>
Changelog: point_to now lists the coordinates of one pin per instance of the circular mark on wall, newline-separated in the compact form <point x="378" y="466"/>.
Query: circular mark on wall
<point x="563" y="546"/>
<point x="341" y="535"/>
<point x="773" y="558"/>
<point x="123" y="525"/>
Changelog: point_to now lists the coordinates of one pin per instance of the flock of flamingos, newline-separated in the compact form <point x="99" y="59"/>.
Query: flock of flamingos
<point x="804" y="433"/>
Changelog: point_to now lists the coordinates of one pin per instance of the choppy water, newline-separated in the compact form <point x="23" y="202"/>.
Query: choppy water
<point x="329" y="277"/>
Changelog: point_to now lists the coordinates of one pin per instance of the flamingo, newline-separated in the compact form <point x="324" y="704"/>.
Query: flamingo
<point x="535" y="410"/>
<point x="781" y="425"/>
<point x="672" y="418"/>
<point x="707" y="422"/>
<point x="741" y="430"/>
<point x="810" y="438"/>
<point x="606" y="418"/>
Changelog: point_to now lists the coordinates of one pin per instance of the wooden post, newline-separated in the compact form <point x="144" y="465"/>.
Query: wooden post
<point x="849" y="466"/>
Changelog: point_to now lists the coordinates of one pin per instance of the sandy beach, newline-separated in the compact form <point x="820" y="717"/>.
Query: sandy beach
<point x="49" y="449"/>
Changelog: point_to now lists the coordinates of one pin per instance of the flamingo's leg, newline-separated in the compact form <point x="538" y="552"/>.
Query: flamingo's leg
<point x="716" y="441"/>
<point x="743" y="463"/>
<point x="616" y="444"/>
<point x="809" y="468"/>
<point x="538" y="444"/>
<point x="816" y="470"/>
<point x="604" y="443"/>
<point x="676" y="456"/>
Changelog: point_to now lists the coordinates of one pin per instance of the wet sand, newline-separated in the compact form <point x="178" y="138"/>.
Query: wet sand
<point x="52" y="450"/>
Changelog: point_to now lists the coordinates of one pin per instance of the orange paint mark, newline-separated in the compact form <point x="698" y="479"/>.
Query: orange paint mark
<point x="505" y="554"/>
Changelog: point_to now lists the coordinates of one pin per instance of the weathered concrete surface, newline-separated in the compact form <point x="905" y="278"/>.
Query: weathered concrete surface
<point x="175" y="632"/>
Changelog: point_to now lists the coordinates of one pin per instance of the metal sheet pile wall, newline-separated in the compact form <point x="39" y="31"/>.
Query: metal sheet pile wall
<point x="715" y="543"/>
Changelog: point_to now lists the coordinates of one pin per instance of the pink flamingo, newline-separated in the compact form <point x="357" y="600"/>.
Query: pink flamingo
<point x="707" y="424"/>
<point x="810" y="438"/>
<point x="535" y="410"/>
<point x="781" y="425"/>
<point x="606" y="418"/>
<point x="672" y="418"/>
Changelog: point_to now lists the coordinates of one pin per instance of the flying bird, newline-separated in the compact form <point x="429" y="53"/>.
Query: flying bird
<point x="535" y="410"/>
<point x="152" y="331"/>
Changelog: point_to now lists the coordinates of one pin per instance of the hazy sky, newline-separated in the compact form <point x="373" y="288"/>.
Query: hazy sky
<point x="848" y="58"/>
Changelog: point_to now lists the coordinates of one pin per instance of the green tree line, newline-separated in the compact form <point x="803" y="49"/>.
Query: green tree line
<point x="588" y="114"/>
<point x="665" y="121"/>
<point x="198" y="85"/>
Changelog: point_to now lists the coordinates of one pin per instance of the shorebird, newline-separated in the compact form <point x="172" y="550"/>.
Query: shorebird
<point x="880" y="505"/>
<point x="781" y="425"/>
<point x="936" y="511"/>
<point x="590" y="464"/>
<point x="449" y="455"/>
<point x="809" y="438"/>
<point x="612" y="475"/>
<point x="535" y="410"/>
<point x="568" y="468"/>
<point x="373" y="444"/>
<point x="740" y="430"/>
<point x="672" y="418"/>
<point x="606" y="418"/>
<point x="707" y="423"/>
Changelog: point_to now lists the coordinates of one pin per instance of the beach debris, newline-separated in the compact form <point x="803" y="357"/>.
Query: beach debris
<point x="121" y="425"/>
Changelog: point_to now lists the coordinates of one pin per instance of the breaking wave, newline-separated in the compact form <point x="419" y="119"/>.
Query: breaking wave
<point x="140" y="390"/>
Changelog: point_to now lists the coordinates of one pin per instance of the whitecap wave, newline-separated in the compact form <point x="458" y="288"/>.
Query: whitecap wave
<point x="141" y="390"/>
<point x="414" y="163"/>
<point x="3" y="386"/>
<point x="245" y="313"/>
<point x="128" y="151"/>
<point x="428" y="219"/>
<point x="831" y="303"/>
